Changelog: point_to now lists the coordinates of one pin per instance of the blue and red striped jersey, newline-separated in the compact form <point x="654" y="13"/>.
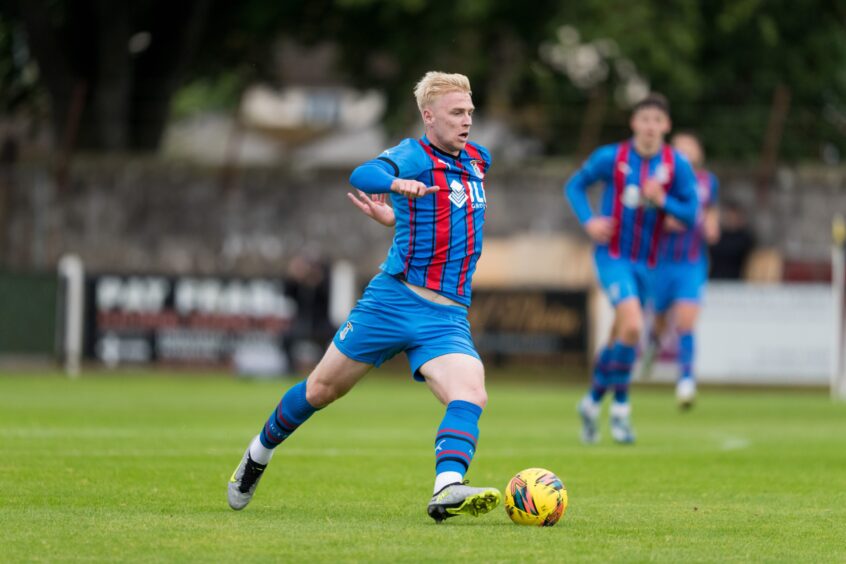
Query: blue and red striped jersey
<point x="689" y="246"/>
<point x="639" y="224"/>
<point x="437" y="238"/>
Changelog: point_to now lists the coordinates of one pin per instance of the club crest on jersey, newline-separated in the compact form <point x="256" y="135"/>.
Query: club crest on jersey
<point x="624" y="168"/>
<point x="347" y="329"/>
<point x="456" y="194"/>
<point x="478" y="168"/>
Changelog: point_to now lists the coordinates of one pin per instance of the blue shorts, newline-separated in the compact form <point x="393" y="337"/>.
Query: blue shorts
<point x="390" y="318"/>
<point x="674" y="282"/>
<point x="623" y="279"/>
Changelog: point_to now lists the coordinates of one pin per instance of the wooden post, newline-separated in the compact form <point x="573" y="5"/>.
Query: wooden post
<point x="71" y="131"/>
<point x="592" y="122"/>
<point x="772" y="141"/>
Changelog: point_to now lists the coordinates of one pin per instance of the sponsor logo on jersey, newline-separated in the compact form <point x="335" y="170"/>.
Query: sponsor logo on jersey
<point x="457" y="195"/>
<point x="347" y="329"/>
<point x="631" y="196"/>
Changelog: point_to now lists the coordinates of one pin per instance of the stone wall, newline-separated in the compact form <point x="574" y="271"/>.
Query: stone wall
<point x="152" y="215"/>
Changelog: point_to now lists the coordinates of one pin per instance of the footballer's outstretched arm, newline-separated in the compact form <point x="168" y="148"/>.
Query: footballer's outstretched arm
<point x="377" y="177"/>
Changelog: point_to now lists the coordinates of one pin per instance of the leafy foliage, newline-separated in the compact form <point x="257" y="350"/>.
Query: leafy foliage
<point x="719" y="61"/>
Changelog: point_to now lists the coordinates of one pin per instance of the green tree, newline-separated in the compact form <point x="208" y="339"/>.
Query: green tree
<point x="722" y="63"/>
<point x="109" y="68"/>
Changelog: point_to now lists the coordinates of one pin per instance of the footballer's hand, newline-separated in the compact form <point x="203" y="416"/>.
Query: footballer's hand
<point x="412" y="188"/>
<point x="600" y="229"/>
<point x="711" y="228"/>
<point x="654" y="192"/>
<point x="673" y="225"/>
<point x="374" y="206"/>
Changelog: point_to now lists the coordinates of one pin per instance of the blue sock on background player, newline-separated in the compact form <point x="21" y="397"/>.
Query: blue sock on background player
<point x="455" y="443"/>
<point x="686" y="350"/>
<point x="600" y="374"/>
<point x="620" y="372"/>
<point x="292" y="411"/>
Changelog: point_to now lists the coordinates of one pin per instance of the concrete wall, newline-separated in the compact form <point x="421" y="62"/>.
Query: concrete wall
<point x="150" y="215"/>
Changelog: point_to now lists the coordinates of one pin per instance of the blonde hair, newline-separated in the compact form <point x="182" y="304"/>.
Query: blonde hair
<point x="434" y="84"/>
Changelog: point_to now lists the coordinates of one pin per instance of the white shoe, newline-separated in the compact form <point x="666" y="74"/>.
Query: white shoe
<point x="621" y="423"/>
<point x="685" y="393"/>
<point x="242" y="485"/>
<point x="461" y="499"/>
<point x="589" y="412"/>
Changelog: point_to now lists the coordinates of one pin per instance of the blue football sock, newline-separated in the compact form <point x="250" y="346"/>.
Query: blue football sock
<point x="620" y="372"/>
<point x="455" y="443"/>
<point x="599" y="384"/>
<point x="686" y="350"/>
<point x="292" y="411"/>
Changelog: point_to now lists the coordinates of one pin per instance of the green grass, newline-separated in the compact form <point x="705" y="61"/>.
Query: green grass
<point x="133" y="467"/>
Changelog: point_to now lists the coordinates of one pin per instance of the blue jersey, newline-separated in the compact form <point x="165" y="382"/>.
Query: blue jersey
<point x="689" y="247"/>
<point x="437" y="238"/>
<point x="639" y="224"/>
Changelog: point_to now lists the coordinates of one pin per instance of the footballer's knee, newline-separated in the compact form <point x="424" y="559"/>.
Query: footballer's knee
<point x="320" y="394"/>
<point x="630" y="330"/>
<point x="469" y="392"/>
<point x="686" y="315"/>
<point x="474" y="389"/>
<point x="478" y="397"/>
<point x="628" y="323"/>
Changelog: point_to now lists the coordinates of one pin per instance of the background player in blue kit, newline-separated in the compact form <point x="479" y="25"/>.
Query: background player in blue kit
<point x="417" y="304"/>
<point x="680" y="277"/>
<point x="644" y="181"/>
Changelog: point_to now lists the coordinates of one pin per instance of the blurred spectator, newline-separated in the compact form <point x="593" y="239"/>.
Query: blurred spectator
<point x="730" y="253"/>
<point x="308" y="283"/>
<point x="8" y="160"/>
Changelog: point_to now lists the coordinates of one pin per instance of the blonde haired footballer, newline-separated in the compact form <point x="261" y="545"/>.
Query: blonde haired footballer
<point x="417" y="304"/>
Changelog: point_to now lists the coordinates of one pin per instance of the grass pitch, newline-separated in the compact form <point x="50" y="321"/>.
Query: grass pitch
<point x="133" y="467"/>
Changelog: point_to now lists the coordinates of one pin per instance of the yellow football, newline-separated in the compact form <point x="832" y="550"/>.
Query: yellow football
<point x="535" y="496"/>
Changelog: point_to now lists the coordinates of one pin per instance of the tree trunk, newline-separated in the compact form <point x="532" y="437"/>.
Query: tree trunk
<point x="772" y="141"/>
<point x="176" y="29"/>
<point x="592" y="122"/>
<point x="128" y="97"/>
<point x="54" y="62"/>
<point x="110" y="103"/>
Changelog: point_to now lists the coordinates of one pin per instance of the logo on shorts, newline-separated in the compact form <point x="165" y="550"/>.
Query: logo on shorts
<point x="457" y="195"/>
<point x="614" y="291"/>
<point x="347" y="329"/>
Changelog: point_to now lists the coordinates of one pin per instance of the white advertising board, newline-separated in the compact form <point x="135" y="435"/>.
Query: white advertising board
<point x="773" y="334"/>
<point x="755" y="334"/>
